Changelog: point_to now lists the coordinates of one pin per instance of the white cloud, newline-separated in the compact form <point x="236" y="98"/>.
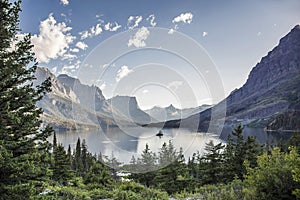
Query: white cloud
<point x="67" y="19"/>
<point x="93" y="31"/>
<point x="65" y="2"/>
<point x="174" y="85"/>
<point x="145" y="91"/>
<point x="134" y="21"/>
<point x="67" y="69"/>
<point x="53" y="70"/>
<point x="53" y="40"/>
<point x="81" y="45"/>
<point x="74" y="50"/>
<point x="204" y="34"/>
<point x="96" y="30"/>
<point x="184" y="17"/>
<point x="69" y="56"/>
<point x="172" y="30"/>
<point x="84" y="35"/>
<point x="112" y="26"/>
<point x="151" y="19"/>
<point x="124" y="71"/>
<point x="139" y="38"/>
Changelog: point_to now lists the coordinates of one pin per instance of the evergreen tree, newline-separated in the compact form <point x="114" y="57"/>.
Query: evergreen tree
<point x="236" y="152"/>
<point x="24" y="146"/>
<point x="172" y="163"/>
<point x="54" y="141"/>
<point x="77" y="163"/>
<point x="69" y="155"/>
<point x="167" y="154"/>
<point x="62" y="169"/>
<point x="98" y="174"/>
<point x="213" y="161"/>
<point x="147" y="168"/>
<point x="113" y="164"/>
<point x="192" y="167"/>
<point x="133" y="161"/>
<point x="148" y="159"/>
<point x="84" y="156"/>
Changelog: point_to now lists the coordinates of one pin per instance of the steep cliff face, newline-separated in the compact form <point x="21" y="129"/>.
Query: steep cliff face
<point x="128" y="106"/>
<point x="271" y="84"/>
<point x="58" y="88"/>
<point x="90" y="97"/>
<point x="272" y="87"/>
<point x="66" y="108"/>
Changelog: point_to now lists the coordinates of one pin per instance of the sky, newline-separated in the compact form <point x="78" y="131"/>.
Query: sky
<point x="184" y="53"/>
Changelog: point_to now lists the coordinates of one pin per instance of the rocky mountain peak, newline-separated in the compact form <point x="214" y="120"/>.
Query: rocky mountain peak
<point x="128" y="106"/>
<point x="90" y="97"/>
<point x="171" y="107"/>
<point x="57" y="87"/>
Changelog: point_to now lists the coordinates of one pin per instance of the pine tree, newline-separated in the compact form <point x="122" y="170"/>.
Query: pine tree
<point x="213" y="161"/>
<point x="98" y="174"/>
<point x="69" y="155"/>
<point x="167" y="154"/>
<point x="172" y="163"/>
<point x="113" y="164"/>
<point x="84" y="156"/>
<point x="146" y="168"/>
<point x="236" y="152"/>
<point x="23" y="145"/>
<point x="54" y="141"/>
<point x="78" y="166"/>
<point x="62" y="169"/>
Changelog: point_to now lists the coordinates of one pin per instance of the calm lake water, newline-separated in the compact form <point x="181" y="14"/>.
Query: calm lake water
<point x="123" y="144"/>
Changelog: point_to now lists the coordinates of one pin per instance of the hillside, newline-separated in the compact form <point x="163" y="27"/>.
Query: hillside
<point x="272" y="88"/>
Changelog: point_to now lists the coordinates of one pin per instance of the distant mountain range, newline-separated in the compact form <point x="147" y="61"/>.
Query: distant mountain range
<point x="269" y="98"/>
<point x="73" y="105"/>
<point x="170" y="113"/>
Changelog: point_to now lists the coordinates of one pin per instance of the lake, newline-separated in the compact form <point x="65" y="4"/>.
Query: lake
<point x="123" y="144"/>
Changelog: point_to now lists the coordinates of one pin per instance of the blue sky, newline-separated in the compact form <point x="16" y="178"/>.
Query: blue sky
<point x="235" y="34"/>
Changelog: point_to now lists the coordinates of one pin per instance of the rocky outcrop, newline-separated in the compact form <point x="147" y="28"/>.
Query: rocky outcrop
<point x="128" y="106"/>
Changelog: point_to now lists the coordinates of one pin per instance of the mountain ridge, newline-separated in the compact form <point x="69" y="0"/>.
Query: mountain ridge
<point x="267" y="91"/>
<point x="73" y="105"/>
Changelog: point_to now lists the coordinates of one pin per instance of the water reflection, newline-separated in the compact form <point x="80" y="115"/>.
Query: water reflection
<point x="125" y="144"/>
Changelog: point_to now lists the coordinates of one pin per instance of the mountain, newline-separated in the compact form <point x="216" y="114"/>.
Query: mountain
<point x="73" y="105"/>
<point x="128" y="106"/>
<point x="61" y="106"/>
<point x="170" y="113"/>
<point x="90" y="97"/>
<point x="272" y="88"/>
